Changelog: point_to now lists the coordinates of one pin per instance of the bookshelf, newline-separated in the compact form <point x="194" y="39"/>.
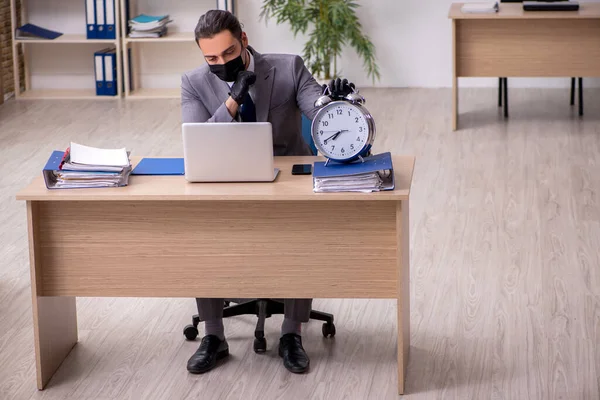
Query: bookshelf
<point x="180" y="36"/>
<point x="26" y="46"/>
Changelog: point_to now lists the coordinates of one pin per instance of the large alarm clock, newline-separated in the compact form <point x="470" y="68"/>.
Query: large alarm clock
<point x="343" y="130"/>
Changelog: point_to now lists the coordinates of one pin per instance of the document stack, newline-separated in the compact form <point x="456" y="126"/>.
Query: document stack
<point x="87" y="167"/>
<point x="148" y="26"/>
<point x="373" y="174"/>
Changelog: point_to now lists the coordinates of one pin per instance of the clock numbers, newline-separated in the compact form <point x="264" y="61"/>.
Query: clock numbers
<point x="335" y="129"/>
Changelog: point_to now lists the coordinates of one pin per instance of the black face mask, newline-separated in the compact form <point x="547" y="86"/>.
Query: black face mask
<point x="229" y="71"/>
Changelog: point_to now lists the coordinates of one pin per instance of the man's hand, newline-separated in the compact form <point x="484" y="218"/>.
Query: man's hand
<point x="339" y="88"/>
<point x="240" y="88"/>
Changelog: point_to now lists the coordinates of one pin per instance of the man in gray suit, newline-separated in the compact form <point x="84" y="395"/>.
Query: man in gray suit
<point x="240" y="84"/>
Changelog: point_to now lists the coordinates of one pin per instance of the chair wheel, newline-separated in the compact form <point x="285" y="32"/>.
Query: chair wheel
<point x="190" y="332"/>
<point x="260" y="345"/>
<point x="328" y="329"/>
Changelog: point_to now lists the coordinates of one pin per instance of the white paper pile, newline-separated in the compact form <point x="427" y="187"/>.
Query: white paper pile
<point x="86" y="166"/>
<point x="148" y="26"/>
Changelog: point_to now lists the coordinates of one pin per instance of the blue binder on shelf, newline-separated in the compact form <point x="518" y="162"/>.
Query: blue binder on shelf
<point x="105" y="69"/>
<point x="347" y="176"/>
<point x="110" y="72"/>
<point x="100" y="19"/>
<point x="109" y="19"/>
<point x="90" y="19"/>
<point x="32" y="32"/>
<point x="159" y="166"/>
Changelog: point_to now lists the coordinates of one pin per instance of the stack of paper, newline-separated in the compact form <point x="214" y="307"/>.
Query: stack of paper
<point x="485" y="7"/>
<point x="373" y="174"/>
<point x="83" y="166"/>
<point x="148" y="26"/>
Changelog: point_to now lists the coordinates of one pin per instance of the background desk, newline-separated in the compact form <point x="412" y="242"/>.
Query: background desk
<point x="517" y="43"/>
<point x="164" y="237"/>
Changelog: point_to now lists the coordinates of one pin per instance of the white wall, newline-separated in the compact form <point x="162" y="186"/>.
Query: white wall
<point x="412" y="40"/>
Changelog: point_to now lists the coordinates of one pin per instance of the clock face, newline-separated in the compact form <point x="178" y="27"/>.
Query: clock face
<point x="340" y="130"/>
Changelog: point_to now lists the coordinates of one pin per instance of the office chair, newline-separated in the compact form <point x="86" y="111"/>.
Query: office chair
<point x="503" y="83"/>
<point x="264" y="308"/>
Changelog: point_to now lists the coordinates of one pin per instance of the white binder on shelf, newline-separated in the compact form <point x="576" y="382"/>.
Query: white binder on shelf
<point x="110" y="17"/>
<point x="90" y="19"/>
<point x="227" y="5"/>
<point x="100" y="20"/>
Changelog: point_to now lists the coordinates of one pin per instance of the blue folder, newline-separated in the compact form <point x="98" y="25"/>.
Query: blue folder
<point x="374" y="163"/>
<point x="159" y="166"/>
<point x="31" y="31"/>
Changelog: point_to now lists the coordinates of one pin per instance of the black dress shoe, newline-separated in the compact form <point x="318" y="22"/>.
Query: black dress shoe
<point x="295" y="358"/>
<point x="205" y="358"/>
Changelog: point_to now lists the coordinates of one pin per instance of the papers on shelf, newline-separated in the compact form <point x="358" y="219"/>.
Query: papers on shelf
<point x="484" y="7"/>
<point x="148" y="26"/>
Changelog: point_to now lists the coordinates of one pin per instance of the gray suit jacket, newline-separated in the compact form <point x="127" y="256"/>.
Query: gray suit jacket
<point x="284" y="90"/>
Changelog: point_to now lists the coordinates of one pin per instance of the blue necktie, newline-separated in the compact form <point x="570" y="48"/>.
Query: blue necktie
<point x="248" y="110"/>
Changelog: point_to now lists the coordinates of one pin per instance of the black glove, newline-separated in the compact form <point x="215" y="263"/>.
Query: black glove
<point x="240" y="88"/>
<point x="339" y="88"/>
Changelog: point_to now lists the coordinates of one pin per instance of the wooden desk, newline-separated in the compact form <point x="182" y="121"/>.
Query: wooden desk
<point x="218" y="240"/>
<point x="517" y="43"/>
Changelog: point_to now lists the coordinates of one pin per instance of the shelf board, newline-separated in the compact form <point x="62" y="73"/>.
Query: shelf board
<point x="67" y="38"/>
<point x="149" y="93"/>
<point x="79" y="94"/>
<point x="169" y="37"/>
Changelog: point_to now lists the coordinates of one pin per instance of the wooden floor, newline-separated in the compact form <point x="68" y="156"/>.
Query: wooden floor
<point x="505" y="280"/>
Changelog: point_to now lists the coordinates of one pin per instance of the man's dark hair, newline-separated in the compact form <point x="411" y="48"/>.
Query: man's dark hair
<point x="216" y="21"/>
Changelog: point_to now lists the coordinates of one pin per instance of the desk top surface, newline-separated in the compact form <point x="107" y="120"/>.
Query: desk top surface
<point x="515" y="11"/>
<point x="286" y="187"/>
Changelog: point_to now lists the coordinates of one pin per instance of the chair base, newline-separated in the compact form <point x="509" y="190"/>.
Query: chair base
<point x="262" y="308"/>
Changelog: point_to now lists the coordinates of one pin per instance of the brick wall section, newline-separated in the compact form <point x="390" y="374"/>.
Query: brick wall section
<point x="6" y="56"/>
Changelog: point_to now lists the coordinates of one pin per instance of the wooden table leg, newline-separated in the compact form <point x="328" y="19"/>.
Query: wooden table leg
<point x="454" y="80"/>
<point x="54" y="318"/>
<point x="402" y="232"/>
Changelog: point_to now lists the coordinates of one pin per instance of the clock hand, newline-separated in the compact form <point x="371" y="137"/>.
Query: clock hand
<point x="334" y="136"/>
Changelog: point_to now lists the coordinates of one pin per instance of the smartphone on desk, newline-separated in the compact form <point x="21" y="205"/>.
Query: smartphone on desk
<point x="301" y="169"/>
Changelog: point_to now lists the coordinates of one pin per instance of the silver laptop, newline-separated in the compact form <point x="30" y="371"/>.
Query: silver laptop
<point x="228" y="152"/>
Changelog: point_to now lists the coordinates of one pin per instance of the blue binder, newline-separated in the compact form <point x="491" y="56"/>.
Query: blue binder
<point x="53" y="166"/>
<point x="99" y="72"/>
<point x="100" y="19"/>
<point x="110" y="72"/>
<point x="90" y="19"/>
<point x="31" y="31"/>
<point x="159" y="166"/>
<point x="374" y="163"/>
<point x="109" y="19"/>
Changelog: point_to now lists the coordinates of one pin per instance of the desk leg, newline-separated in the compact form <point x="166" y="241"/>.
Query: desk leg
<point x="403" y="244"/>
<point x="54" y="318"/>
<point x="454" y="80"/>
